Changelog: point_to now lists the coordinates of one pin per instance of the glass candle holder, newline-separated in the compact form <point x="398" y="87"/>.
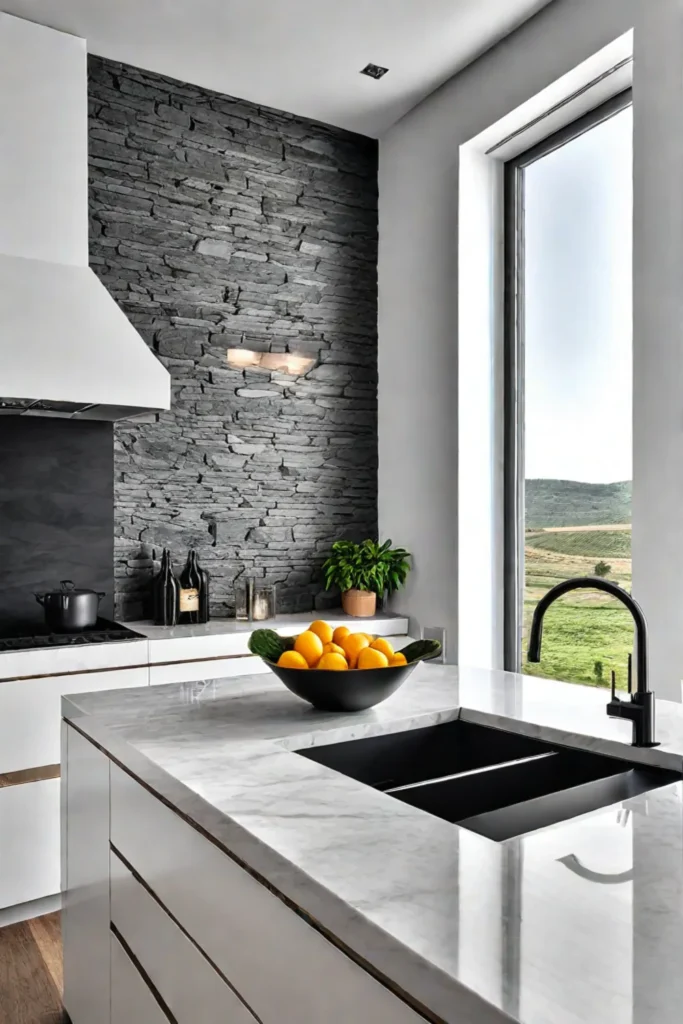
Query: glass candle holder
<point x="264" y="604"/>
<point x="244" y="599"/>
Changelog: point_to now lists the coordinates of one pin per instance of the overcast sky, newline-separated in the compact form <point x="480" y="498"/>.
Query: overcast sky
<point x="578" y="307"/>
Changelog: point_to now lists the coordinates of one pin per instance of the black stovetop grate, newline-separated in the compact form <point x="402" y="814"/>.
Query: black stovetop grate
<point x="104" y="632"/>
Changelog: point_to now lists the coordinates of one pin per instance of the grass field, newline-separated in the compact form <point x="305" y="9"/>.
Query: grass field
<point x="598" y="544"/>
<point x="584" y="627"/>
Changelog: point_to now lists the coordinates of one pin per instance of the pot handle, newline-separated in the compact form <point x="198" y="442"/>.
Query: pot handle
<point x="40" y="598"/>
<point x="67" y="585"/>
<point x="101" y="594"/>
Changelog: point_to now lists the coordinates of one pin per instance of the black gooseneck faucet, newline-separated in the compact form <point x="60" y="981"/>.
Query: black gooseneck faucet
<point x="640" y="709"/>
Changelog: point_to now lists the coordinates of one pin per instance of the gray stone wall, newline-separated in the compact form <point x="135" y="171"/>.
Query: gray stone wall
<point x="217" y="223"/>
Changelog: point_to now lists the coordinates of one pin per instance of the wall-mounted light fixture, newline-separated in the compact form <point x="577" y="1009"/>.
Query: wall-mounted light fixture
<point x="280" y="362"/>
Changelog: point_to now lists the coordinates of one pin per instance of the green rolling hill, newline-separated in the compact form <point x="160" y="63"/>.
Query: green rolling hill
<point x="571" y="503"/>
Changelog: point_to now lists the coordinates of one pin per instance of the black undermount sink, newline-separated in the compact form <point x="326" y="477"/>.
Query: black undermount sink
<point x="496" y="783"/>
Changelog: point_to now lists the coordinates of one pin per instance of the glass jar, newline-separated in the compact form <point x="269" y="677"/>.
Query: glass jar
<point x="244" y="599"/>
<point x="264" y="604"/>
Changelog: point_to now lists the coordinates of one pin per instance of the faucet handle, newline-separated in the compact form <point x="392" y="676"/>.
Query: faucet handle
<point x="614" y="685"/>
<point x="630" y="673"/>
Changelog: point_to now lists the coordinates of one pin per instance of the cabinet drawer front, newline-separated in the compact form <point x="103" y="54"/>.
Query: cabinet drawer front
<point x="30" y="713"/>
<point x="132" y="1001"/>
<point x="85" y="879"/>
<point x="282" y="967"/>
<point x="29" y="842"/>
<point x="217" y="668"/>
<point x="184" y="979"/>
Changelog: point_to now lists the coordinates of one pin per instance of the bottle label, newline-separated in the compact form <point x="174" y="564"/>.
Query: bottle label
<point x="189" y="599"/>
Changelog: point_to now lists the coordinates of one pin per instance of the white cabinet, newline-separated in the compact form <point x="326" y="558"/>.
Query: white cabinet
<point x="132" y="1001"/>
<point x="213" y="668"/>
<point x="85" y="912"/>
<point x="186" y="981"/>
<point x="29" y="842"/>
<point x="30" y="713"/>
<point x="30" y="717"/>
<point x="283" y="968"/>
<point x="30" y="720"/>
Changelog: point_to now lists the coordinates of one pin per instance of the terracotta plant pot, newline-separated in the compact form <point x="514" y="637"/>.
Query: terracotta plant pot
<point x="360" y="603"/>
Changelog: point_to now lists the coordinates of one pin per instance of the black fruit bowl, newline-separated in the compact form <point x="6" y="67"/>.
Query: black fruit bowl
<point x="353" y="690"/>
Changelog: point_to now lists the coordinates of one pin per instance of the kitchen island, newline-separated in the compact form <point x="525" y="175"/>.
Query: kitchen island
<point x="211" y="872"/>
<point x="33" y="679"/>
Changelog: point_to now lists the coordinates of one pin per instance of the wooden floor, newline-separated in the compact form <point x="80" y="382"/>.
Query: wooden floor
<point x="31" y="972"/>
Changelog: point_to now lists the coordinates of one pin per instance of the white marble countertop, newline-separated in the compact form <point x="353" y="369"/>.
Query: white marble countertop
<point x="229" y="627"/>
<point x="581" y="922"/>
<point x="157" y="645"/>
<point x="221" y="638"/>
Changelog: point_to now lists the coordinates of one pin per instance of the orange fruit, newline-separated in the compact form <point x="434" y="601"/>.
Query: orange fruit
<point x="397" y="659"/>
<point x="310" y="646"/>
<point x="339" y="634"/>
<point x="370" y="658"/>
<point x="333" y="663"/>
<point x="353" y="644"/>
<point x="380" y="644"/>
<point x="323" y="630"/>
<point x="292" y="659"/>
<point x="333" y="649"/>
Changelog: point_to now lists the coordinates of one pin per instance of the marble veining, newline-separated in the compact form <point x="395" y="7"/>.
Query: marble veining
<point x="581" y="922"/>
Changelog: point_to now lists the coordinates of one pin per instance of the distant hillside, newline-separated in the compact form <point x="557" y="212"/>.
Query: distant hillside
<point x="570" y="503"/>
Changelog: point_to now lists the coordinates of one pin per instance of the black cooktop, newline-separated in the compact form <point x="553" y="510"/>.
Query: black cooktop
<point x="103" y="632"/>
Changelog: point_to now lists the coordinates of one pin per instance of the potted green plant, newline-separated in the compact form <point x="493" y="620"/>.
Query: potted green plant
<point x="362" y="571"/>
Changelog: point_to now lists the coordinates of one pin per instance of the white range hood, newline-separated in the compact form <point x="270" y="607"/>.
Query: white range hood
<point x="66" y="349"/>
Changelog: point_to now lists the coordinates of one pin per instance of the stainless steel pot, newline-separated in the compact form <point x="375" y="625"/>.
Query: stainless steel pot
<point x="70" y="610"/>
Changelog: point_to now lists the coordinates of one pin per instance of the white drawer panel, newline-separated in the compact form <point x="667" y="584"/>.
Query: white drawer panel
<point x="216" y="668"/>
<point x="132" y="1001"/>
<point x="283" y="968"/>
<point x="29" y="842"/>
<point x="85" y="879"/>
<point x="61" y="661"/>
<point x="226" y="637"/>
<point x="30" y="713"/>
<point x="184" y="979"/>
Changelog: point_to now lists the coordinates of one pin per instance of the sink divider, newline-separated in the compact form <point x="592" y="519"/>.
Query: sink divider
<point x="496" y="783"/>
<point x="465" y="773"/>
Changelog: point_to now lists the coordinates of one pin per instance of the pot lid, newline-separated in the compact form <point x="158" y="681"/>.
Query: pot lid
<point x="70" y="588"/>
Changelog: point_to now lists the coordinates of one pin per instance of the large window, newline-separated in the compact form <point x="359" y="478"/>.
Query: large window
<point x="568" y="388"/>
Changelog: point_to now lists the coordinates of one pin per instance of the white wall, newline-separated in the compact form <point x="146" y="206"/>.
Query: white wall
<point x="44" y="141"/>
<point x="658" y="339"/>
<point x="418" y="306"/>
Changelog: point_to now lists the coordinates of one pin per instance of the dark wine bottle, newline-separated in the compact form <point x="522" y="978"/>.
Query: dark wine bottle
<point x="166" y="593"/>
<point x="194" y="591"/>
<point x="204" y="576"/>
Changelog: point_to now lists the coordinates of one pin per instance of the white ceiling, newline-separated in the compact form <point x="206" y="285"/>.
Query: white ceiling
<point x="303" y="56"/>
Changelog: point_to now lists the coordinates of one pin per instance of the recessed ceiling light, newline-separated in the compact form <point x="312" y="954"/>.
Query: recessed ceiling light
<point x="374" y="71"/>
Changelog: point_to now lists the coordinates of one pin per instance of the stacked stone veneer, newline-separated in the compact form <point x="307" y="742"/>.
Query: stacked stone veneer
<point x="217" y="223"/>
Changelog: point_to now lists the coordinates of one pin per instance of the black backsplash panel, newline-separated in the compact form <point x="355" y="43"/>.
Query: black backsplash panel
<point x="56" y="513"/>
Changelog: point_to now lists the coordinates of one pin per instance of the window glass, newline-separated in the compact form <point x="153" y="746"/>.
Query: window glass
<point x="577" y="385"/>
